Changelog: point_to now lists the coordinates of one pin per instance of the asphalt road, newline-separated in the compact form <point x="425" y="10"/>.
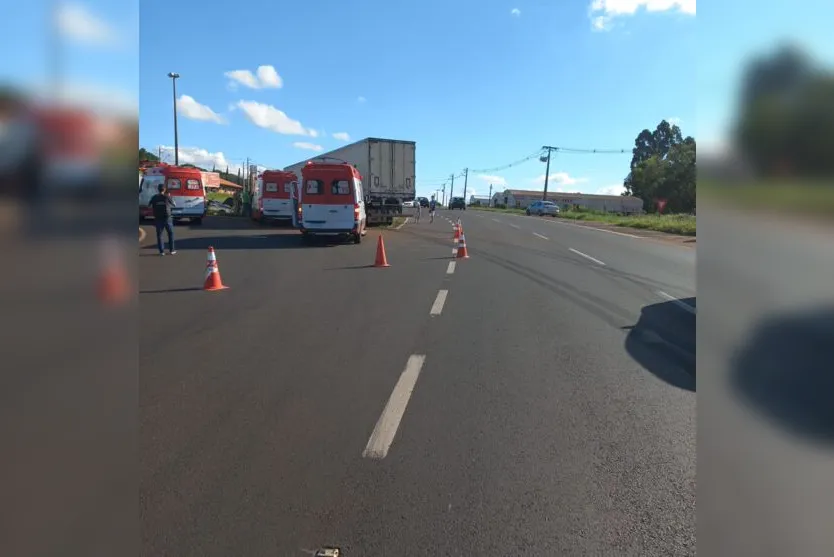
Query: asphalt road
<point x="538" y="397"/>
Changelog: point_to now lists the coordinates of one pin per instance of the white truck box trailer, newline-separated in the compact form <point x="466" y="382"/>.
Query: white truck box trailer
<point x="388" y="169"/>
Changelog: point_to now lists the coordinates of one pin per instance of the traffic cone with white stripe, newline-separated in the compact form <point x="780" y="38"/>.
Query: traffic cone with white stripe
<point x="456" y="227"/>
<point x="461" y="251"/>
<point x="212" y="280"/>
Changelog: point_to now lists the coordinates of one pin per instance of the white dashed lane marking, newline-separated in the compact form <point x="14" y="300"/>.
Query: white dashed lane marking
<point x="586" y="256"/>
<point x="388" y="423"/>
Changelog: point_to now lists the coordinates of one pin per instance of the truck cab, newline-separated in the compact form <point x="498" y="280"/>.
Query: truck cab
<point x="331" y="201"/>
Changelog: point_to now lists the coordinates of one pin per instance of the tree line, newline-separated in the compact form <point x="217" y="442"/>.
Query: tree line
<point x="663" y="170"/>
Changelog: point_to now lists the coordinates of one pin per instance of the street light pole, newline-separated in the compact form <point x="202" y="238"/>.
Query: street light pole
<point x="174" y="76"/>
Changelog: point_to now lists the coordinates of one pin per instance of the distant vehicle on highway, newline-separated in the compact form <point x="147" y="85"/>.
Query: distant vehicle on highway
<point x="457" y="203"/>
<point x="272" y="199"/>
<point x="423" y="201"/>
<point x="186" y="186"/>
<point x="331" y="201"/>
<point x="410" y="204"/>
<point x="541" y="208"/>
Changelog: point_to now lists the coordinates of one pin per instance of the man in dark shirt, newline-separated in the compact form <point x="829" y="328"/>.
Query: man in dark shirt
<point x="161" y="204"/>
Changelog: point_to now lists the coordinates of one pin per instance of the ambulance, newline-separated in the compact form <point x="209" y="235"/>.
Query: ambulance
<point x="186" y="187"/>
<point x="273" y="197"/>
<point x="331" y="201"/>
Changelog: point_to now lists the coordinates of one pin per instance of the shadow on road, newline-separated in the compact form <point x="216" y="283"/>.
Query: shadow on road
<point x="663" y="342"/>
<point x="266" y="242"/>
<point x="785" y="373"/>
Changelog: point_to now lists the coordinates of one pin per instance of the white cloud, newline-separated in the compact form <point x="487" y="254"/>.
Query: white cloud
<point x="613" y="189"/>
<point x="341" y="136"/>
<point x="674" y="120"/>
<point x="308" y="146"/>
<point x="265" y="77"/>
<point x="494" y="180"/>
<point x="559" y="181"/>
<point x="199" y="157"/>
<point x="603" y="13"/>
<point x="516" y="12"/>
<point x="361" y="99"/>
<point x="75" y="22"/>
<point x="268" y="117"/>
<point x="193" y="110"/>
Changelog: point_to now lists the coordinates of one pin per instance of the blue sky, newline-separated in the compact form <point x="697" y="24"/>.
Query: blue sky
<point x="473" y="83"/>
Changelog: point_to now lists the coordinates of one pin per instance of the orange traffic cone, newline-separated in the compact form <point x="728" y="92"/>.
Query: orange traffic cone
<point x="212" y="281"/>
<point x="113" y="284"/>
<point x="458" y="230"/>
<point x="462" y="253"/>
<point x="381" y="258"/>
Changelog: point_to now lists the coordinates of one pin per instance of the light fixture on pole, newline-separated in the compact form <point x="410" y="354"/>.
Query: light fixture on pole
<point x="174" y="76"/>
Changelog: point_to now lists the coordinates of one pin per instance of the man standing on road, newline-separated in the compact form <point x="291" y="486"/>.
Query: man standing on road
<point x="432" y="208"/>
<point x="246" y="198"/>
<point x="419" y="210"/>
<point x="161" y="204"/>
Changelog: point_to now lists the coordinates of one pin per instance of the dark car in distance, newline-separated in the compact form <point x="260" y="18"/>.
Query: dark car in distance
<point x="423" y="201"/>
<point x="457" y="203"/>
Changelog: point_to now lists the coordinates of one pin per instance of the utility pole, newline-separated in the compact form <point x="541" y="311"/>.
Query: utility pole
<point x="443" y="202"/>
<point x="490" y="195"/>
<point x="452" y="191"/>
<point x="246" y="175"/>
<point x="465" y="182"/>
<point x="546" y="158"/>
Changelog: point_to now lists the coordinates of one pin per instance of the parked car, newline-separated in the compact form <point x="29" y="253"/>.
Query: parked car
<point x="457" y="203"/>
<point x="409" y="204"/>
<point x="541" y="208"/>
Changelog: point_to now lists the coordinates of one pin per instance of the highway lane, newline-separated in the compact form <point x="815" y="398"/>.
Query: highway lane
<point x="544" y="417"/>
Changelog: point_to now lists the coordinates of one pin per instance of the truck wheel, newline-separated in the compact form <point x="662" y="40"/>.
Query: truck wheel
<point x="198" y="221"/>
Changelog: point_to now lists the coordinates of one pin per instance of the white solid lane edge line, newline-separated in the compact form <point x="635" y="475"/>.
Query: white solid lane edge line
<point x="517" y="227"/>
<point x="680" y="304"/>
<point x="562" y="221"/>
<point x="451" y="268"/>
<point x="496" y="220"/>
<point x="586" y="256"/>
<point x="437" y="306"/>
<point x="540" y="236"/>
<point x="389" y="421"/>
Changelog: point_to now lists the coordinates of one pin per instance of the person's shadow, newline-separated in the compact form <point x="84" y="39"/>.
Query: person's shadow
<point x="663" y="342"/>
<point x="785" y="373"/>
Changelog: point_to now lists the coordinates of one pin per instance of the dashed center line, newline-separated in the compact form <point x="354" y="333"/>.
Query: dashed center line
<point x="586" y="256"/>
<point x="451" y="268"/>
<point x="517" y="227"/>
<point x="389" y="421"/>
<point x="540" y="236"/>
<point x="437" y="306"/>
<point x="683" y="305"/>
<point x="496" y="220"/>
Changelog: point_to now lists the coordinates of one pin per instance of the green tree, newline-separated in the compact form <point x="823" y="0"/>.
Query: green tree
<point x="786" y="116"/>
<point x="145" y="155"/>
<point x="663" y="166"/>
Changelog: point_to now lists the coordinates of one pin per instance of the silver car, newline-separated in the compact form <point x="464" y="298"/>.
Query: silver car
<point x="541" y="208"/>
